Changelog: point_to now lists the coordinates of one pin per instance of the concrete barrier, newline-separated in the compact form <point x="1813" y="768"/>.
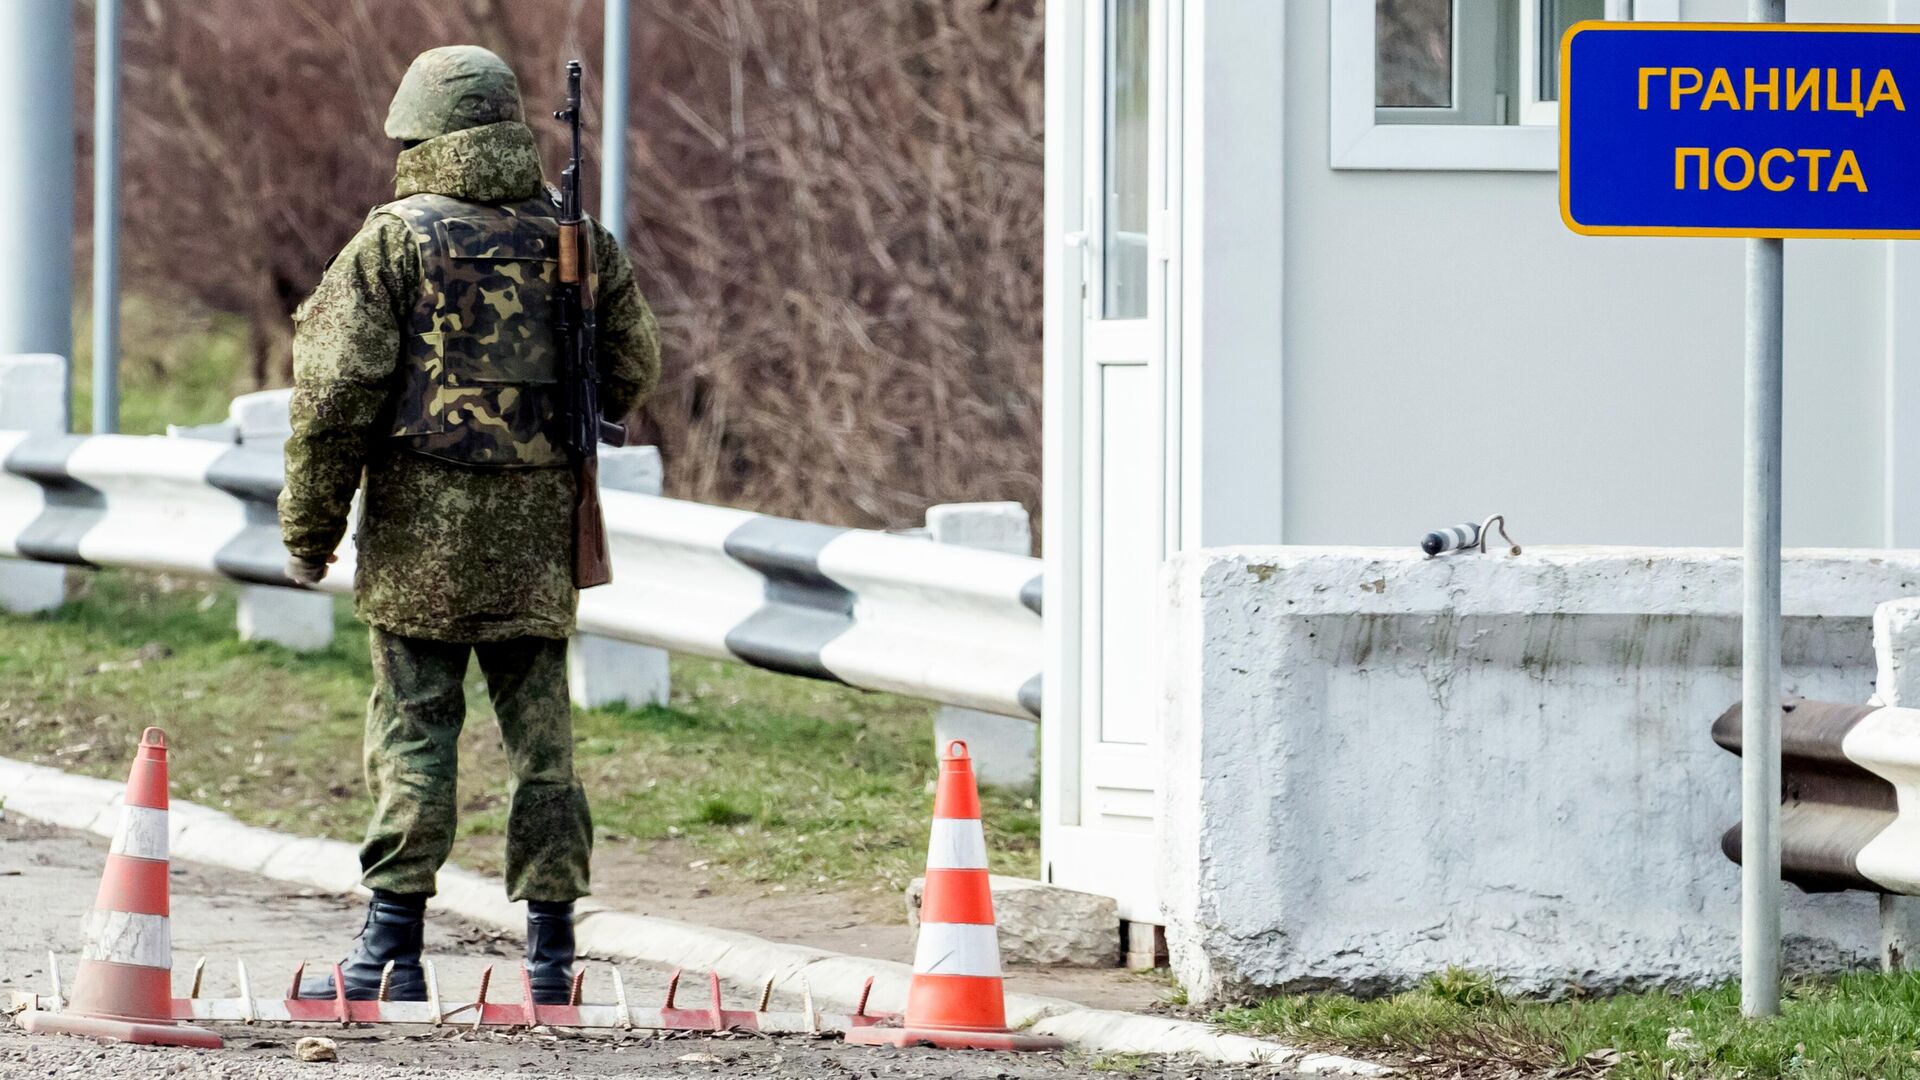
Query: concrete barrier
<point x="33" y="395"/>
<point x="1378" y="765"/>
<point x="1005" y="749"/>
<point x="607" y="671"/>
<point x="294" y="618"/>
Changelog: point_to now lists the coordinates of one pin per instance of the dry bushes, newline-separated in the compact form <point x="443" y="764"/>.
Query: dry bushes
<point x="835" y="207"/>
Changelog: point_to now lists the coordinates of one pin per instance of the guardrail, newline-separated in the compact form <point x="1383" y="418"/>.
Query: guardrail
<point x="868" y="609"/>
<point x="1842" y="769"/>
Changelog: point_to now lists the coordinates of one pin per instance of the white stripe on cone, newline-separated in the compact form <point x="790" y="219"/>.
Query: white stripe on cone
<point x="120" y="937"/>
<point x="957" y="949"/>
<point x="957" y="844"/>
<point x="142" y="833"/>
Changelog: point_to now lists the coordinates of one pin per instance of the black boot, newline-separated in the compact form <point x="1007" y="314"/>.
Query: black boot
<point x="550" y="950"/>
<point x="396" y="923"/>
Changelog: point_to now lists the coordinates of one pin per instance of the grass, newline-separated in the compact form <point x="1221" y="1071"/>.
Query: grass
<point x="759" y="778"/>
<point x="1862" y="1025"/>
<point x="178" y="365"/>
<point x="767" y="780"/>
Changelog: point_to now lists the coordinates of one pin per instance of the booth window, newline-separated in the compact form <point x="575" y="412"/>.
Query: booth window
<point x="1471" y="61"/>
<point x="1456" y="84"/>
<point x="1125" y="188"/>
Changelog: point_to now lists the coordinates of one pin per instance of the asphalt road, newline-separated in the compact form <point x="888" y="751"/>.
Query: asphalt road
<point x="47" y="882"/>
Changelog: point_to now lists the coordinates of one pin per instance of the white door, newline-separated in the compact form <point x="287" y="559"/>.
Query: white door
<point x="1104" y="840"/>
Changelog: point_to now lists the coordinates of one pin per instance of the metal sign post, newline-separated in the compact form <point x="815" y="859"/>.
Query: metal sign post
<point x="1761" y="131"/>
<point x="1760" y="633"/>
<point x="106" y="217"/>
<point x="613" y="122"/>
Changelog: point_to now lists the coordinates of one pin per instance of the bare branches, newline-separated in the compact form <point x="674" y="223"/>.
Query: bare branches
<point x="835" y="210"/>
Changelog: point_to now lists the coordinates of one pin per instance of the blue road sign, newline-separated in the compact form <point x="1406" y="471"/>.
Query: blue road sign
<point x="1731" y="129"/>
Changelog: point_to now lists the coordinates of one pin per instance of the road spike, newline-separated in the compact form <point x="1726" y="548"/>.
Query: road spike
<point x="480" y="1002"/>
<point x="620" y="998"/>
<point x="246" y="990"/>
<point x="340" y="995"/>
<point x="53" y="972"/>
<point x="386" y="982"/>
<point x="866" y="991"/>
<point x="719" y="1013"/>
<point x="806" y="1002"/>
<point x="294" y="990"/>
<point x="433" y="991"/>
<point x="199" y="969"/>
<point x="766" y="994"/>
<point x="673" y="984"/>
<point x="528" y="1011"/>
<point x="579" y="984"/>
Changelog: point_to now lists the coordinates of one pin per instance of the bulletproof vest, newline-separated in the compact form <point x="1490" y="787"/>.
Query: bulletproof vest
<point x="480" y="382"/>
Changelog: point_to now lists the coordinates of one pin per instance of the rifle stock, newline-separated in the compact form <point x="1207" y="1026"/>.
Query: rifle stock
<point x="592" y="562"/>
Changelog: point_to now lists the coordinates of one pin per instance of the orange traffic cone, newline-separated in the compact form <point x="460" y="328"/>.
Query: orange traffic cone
<point x="124" y="989"/>
<point x="956" y="1000"/>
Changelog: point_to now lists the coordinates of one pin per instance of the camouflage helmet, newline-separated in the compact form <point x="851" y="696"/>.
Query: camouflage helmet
<point x="450" y="89"/>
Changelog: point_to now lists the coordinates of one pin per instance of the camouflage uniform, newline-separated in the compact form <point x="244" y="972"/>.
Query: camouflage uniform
<point x="423" y="370"/>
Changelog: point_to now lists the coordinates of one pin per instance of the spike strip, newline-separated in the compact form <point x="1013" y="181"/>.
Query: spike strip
<point x="246" y="992"/>
<point x="511" y="1015"/>
<point x="199" y="970"/>
<point x="340" y="993"/>
<point x="579" y="984"/>
<point x="620" y="999"/>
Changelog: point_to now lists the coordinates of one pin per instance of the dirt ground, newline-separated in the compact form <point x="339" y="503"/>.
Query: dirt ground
<point x="48" y="878"/>
<point x="659" y="881"/>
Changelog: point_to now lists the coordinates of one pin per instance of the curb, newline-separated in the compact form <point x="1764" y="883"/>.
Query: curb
<point x="202" y="834"/>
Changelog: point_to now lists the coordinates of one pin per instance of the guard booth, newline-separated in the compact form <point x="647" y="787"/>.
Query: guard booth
<point x="1154" y="368"/>
<point x="1307" y="283"/>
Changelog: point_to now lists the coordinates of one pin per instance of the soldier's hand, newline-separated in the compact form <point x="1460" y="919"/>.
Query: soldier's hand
<point x="307" y="571"/>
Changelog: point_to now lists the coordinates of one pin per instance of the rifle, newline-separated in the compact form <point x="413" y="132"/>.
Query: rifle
<point x="582" y="427"/>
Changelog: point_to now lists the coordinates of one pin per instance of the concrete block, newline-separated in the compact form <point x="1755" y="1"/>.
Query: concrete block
<point x="1374" y="765"/>
<point x="223" y="431"/>
<point x="1896" y="650"/>
<point x="606" y="671"/>
<point x="262" y="417"/>
<point x="33" y="397"/>
<point x="1042" y="924"/>
<point x="991" y="526"/>
<point x="1005" y="749"/>
<point x="295" y="618"/>
<point x="33" y="393"/>
<point x="632" y="468"/>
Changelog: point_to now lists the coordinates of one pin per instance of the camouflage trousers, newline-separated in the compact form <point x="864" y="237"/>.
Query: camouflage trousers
<point x="412" y="764"/>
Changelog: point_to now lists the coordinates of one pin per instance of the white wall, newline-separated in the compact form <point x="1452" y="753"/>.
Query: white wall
<point x="1450" y="350"/>
<point x="1379" y="765"/>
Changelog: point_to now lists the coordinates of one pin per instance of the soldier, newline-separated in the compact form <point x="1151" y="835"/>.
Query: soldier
<point x="426" y="362"/>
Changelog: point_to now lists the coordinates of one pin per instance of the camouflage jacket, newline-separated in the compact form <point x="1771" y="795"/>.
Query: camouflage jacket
<point x="446" y="551"/>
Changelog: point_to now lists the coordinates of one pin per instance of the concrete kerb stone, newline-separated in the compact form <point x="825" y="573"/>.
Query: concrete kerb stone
<point x="205" y="835"/>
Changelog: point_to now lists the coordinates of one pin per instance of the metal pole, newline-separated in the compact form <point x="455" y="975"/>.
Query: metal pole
<point x="1760" y="620"/>
<point x="613" y="117"/>
<point x="106" y="217"/>
<point x="36" y="180"/>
